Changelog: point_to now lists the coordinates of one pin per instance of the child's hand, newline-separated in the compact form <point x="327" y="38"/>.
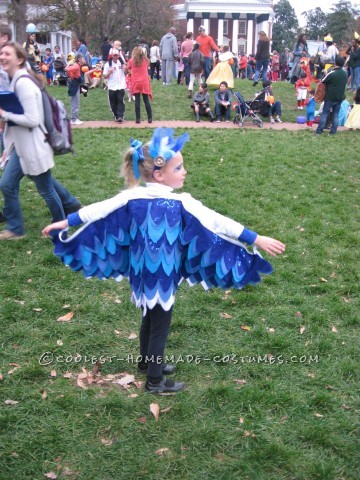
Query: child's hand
<point x="270" y="245"/>
<point x="55" y="226"/>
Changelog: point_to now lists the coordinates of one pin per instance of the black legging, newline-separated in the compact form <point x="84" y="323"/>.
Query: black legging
<point x="155" y="66"/>
<point x="147" y="106"/>
<point x="154" y="332"/>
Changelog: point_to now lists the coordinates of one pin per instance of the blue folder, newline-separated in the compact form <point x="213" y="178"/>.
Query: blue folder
<point x="10" y="103"/>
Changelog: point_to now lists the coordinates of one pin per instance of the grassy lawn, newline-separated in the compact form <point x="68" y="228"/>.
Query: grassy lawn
<point x="274" y="391"/>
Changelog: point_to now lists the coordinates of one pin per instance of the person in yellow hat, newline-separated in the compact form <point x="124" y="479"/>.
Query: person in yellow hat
<point x="328" y="58"/>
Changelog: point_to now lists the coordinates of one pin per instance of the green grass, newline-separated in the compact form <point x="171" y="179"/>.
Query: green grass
<point x="300" y="411"/>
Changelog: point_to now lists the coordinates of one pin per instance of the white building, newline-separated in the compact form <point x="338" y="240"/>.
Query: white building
<point x="230" y="22"/>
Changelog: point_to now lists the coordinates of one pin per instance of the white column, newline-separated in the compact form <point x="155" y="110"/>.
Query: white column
<point x="190" y="25"/>
<point x="207" y="25"/>
<point x="220" y="40"/>
<point x="249" y="38"/>
<point x="52" y="39"/>
<point x="234" y="46"/>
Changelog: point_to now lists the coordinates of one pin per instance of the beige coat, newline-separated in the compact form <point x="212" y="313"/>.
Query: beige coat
<point x="28" y="138"/>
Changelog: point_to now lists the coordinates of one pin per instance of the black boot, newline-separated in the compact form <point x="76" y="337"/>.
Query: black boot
<point x="211" y="115"/>
<point x="197" y="116"/>
<point x="164" y="386"/>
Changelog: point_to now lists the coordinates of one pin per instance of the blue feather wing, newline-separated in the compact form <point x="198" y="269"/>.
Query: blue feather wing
<point x="216" y="262"/>
<point x="100" y="249"/>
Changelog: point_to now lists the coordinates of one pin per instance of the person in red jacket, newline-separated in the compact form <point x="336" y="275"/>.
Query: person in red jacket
<point x="302" y="86"/>
<point x="206" y="45"/>
<point x="140" y="81"/>
<point x="243" y="64"/>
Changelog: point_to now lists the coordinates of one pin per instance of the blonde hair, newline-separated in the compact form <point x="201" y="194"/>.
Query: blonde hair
<point x="146" y="167"/>
<point x="138" y="55"/>
<point x="263" y="35"/>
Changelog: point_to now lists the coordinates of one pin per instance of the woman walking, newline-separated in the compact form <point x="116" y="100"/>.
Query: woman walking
<point x="140" y="82"/>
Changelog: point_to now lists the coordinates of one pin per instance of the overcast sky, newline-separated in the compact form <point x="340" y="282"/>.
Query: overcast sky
<point x="304" y="5"/>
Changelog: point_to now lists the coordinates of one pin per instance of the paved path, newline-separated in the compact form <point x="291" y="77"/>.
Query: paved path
<point x="192" y="124"/>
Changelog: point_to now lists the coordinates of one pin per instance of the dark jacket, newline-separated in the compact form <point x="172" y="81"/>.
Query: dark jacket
<point x="196" y="61"/>
<point x="354" y="59"/>
<point x="262" y="50"/>
<point x="335" y="82"/>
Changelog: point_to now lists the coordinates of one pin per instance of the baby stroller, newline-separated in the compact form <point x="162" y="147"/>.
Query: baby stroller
<point x="245" y="110"/>
<point x="60" y="74"/>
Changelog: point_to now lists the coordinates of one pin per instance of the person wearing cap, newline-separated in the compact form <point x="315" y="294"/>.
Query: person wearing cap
<point x="328" y="58"/>
<point x="206" y="45"/>
<point x="169" y="53"/>
<point x="335" y="82"/>
<point x="114" y="73"/>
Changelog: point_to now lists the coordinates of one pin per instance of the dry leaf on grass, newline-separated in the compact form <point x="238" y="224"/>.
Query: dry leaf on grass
<point x="298" y="314"/>
<point x="240" y="382"/>
<point x="155" y="410"/>
<point x="141" y="419"/>
<point x="66" y="306"/>
<point x="126" y="380"/>
<point x="345" y="407"/>
<point x="318" y="415"/>
<point x="249" y="434"/>
<point x="14" y="365"/>
<point x="1" y="376"/>
<point x="133" y="395"/>
<point x="241" y="420"/>
<point x="53" y="373"/>
<point x="37" y="309"/>
<point x="51" y="475"/>
<point x="302" y="329"/>
<point x="59" y="343"/>
<point x="66" y="318"/>
<point x="332" y="275"/>
<point x="225" y="315"/>
<point x="117" y="333"/>
<point x="246" y="328"/>
<point x="106" y="441"/>
<point x="165" y="410"/>
<point x="270" y="329"/>
<point x="162" y="451"/>
<point x="44" y="394"/>
<point x="11" y="402"/>
<point x="323" y="280"/>
<point x="132" y="336"/>
<point x="334" y="329"/>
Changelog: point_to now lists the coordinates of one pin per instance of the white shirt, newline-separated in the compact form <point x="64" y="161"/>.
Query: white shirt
<point x="4" y="80"/>
<point x="154" y="54"/>
<point x="116" y="80"/>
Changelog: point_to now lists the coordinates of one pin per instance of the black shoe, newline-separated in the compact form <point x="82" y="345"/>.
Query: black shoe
<point x="255" y="83"/>
<point x="149" y="120"/>
<point x="165" y="386"/>
<point x="73" y="209"/>
<point x="137" y="121"/>
<point x="167" y="369"/>
<point x="2" y="218"/>
<point x="119" y="119"/>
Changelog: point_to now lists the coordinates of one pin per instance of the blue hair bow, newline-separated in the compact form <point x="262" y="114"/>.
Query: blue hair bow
<point x="137" y="156"/>
<point x="163" y="143"/>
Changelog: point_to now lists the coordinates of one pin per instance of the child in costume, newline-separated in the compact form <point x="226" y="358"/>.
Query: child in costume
<point x="222" y="71"/>
<point x="310" y="108"/>
<point x="353" y="120"/>
<point x="201" y="103"/>
<point x="49" y="61"/>
<point x="156" y="238"/>
<point x="302" y="86"/>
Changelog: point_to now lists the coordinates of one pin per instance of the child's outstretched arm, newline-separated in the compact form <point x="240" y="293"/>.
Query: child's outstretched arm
<point x="269" y="245"/>
<point x="55" y="226"/>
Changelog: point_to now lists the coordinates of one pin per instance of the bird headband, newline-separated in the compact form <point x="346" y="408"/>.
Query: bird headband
<point x="162" y="147"/>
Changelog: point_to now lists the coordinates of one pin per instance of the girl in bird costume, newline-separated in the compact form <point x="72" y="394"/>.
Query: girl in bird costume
<point x="156" y="238"/>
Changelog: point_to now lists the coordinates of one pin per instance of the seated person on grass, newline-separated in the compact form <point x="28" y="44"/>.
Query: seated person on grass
<point x="223" y="102"/>
<point x="268" y="106"/>
<point x="201" y="103"/>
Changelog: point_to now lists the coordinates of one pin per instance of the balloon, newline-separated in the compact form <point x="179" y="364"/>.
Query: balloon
<point x="44" y="67"/>
<point x="85" y="68"/>
<point x="270" y="99"/>
<point x="30" y="28"/>
<point x="301" y="119"/>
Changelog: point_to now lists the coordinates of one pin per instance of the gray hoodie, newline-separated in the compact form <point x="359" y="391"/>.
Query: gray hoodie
<point x="168" y="47"/>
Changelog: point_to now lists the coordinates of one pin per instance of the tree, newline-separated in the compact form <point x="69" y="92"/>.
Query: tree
<point x="285" y="27"/>
<point x="341" y="22"/>
<point x="316" y="21"/>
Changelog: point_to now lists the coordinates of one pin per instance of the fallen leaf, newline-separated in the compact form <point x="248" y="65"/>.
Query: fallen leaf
<point x="334" y="329"/>
<point x="302" y="230"/>
<point x="51" y="475"/>
<point x="345" y="407"/>
<point x="59" y="343"/>
<point x="126" y="380"/>
<point x="346" y="299"/>
<point x="284" y="418"/>
<point x="11" y="402"/>
<point x="14" y="365"/>
<point x="44" y="394"/>
<point x="1" y="376"/>
<point x="270" y="330"/>
<point x="20" y="302"/>
<point x="241" y="420"/>
<point x="10" y="372"/>
<point x="165" y="410"/>
<point x="132" y="336"/>
<point x="68" y="375"/>
<point x="81" y="384"/>
<point x="302" y="329"/>
<point x="117" y="300"/>
<point x="332" y="275"/>
<point x="298" y="314"/>
<point x="155" y="410"/>
<point x="53" y="373"/>
<point x="329" y="387"/>
<point x="141" y="419"/>
<point x="37" y="309"/>
<point x="66" y="318"/>
<point x="106" y="441"/>
<point x="161" y="451"/>
<point x="66" y="306"/>
<point x="29" y="280"/>
<point x="138" y="384"/>
<point x="323" y="279"/>
<point x="240" y="382"/>
<point x="117" y="333"/>
<point x="318" y="415"/>
<point x="29" y="252"/>
<point x="225" y="315"/>
<point x="249" y="434"/>
<point x="245" y="328"/>
<point x="133" y="395"/>
<point x="66" y="472"/>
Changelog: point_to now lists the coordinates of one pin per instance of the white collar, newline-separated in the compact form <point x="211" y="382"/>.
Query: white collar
<point x="159" y="186"/>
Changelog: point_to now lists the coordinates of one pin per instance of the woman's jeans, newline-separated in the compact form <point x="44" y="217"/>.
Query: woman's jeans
<point x="355" y="77"/>
<point x="264" y="64"/>
<point x="55" y="195"/>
